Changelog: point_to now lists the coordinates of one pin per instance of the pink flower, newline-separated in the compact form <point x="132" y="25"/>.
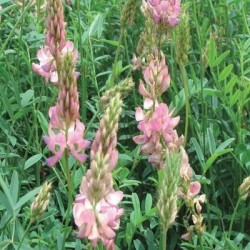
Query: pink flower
<point x="194" y="188"/>
<point x="164" y="11"/>
<point x="98" y="221"/>
<point x="156" y="77"/>
<point x="47" y="63"/>
<point x="157" y="126"/>
<point x="56" y="144"/>
<point x="47" y="67"/>
<point x="59" y="139"/>
<point x="186" y="170"/>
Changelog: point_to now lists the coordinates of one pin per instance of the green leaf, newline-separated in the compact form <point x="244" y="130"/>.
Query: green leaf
<point x="43" y="122"/>
<point x="7" y="192"/>
<point x="32" y="160"/>
<point x="130" y="230"/>
<point x="136" y="204"/>
<point x="14" y="186"/>
<point x="111" y="42"/>
<point x="211" y="140"/>
<point x="225" y="72"/>
<point x="231" y="84"/>
<point x="212" y="51"/>
<point x="211" y="92"/>
<point x="26" y="97"/>
<point x="26" y="198"/>
<point x="6" y="102"/>
<point x="138" y="245"/>
<point x="224" y="144"/>
<point x="148" y="203"/>
<point x="125" y="157"/>
<point x="219" y="59"/>
<point x="198" y="150"/>
<point x="4" y="244"/>
<point x="6" y="203"/>
<point x="230" y="245"/>
<point x="235" y="97"/>
<point x="213" y="157"/>
<point x="95" y="28"/>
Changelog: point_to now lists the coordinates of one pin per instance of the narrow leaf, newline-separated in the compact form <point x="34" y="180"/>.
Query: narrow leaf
<point x="225" y="72"/>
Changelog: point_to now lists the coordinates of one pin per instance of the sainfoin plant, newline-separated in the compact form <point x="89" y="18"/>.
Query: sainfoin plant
<point x="125" y="124"/>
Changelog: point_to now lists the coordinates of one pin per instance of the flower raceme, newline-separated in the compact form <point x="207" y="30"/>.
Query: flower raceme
<point x="47" y="67"/>
<point x="156" y="78"/>
<point x="158" y="133"/>
<point x="56" y="45"/>
<point x="164" y="12"/>
<point x="98" y="221"/>
<point x="96" y="211"/>
<point x="65" y="129"/>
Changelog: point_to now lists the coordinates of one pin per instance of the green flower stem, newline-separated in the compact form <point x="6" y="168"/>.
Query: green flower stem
<point x="70" y="194"/>
<point x="117" y="53"/>
<point x="187" y="106"/>
<point x="233" y="217"/>
<point x="163" y="240"/>
<point x="208" y="208"/>
<point x="200" y="241"/>
<point x="24" y="235"/>
<point x="83" y="80"/>
<point x="91" y="122"/>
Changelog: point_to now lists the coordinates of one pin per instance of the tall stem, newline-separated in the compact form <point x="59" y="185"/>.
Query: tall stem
<point x="24" y="235"/>
<point x="187" y="106"/>
<point x="70" y="193"/>
<point x="83" y="80"/>
<point x="118" y="49"/>
<point x="233" y="218"/>
<point x="163" y="239"/>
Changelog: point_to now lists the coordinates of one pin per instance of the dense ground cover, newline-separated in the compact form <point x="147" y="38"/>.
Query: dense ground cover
<point x="207" y="59"/>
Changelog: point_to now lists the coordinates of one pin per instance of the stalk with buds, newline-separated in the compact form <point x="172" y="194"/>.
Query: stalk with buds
<point x="158" y="138"/>
<point x="96" y="211"/>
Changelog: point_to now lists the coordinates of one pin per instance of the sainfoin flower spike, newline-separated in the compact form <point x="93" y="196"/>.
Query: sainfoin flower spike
<point x="96" y="211"/>
<point x="41" y="202"/>
<point x="164" y="12"/>
<point x="56" y="45"/>
<point x="65" y="129"/>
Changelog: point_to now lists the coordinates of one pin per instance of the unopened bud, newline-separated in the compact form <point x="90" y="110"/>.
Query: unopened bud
<point x="244" y="189"/>
<point x="128" y="13"/>
<point x="41" y="202"/>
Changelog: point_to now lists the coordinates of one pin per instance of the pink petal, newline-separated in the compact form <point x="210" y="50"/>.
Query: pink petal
<point x="139" y="115"/>
<point x="194" y="187"/>
<point x="115" y="197"/>
<point x="148" y="103"/>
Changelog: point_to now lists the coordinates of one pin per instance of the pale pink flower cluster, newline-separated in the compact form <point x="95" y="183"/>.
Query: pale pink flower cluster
<point x="56" y="45"/>
<point x="98" y="221"/>
<point x="62" y="137"/>
<point x="65" y="129"/>
<point x="157" y="126"/>
<point x="158" y="133"/>
<point x="163" y="11"/>
<point x="156" y="78"/>
<point x="192" y="188"/>
<point x="47" y="67"/>
<point x="96" y="211"/>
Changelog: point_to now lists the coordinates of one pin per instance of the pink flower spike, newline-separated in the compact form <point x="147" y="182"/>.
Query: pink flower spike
<point x="163" y="11"/>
